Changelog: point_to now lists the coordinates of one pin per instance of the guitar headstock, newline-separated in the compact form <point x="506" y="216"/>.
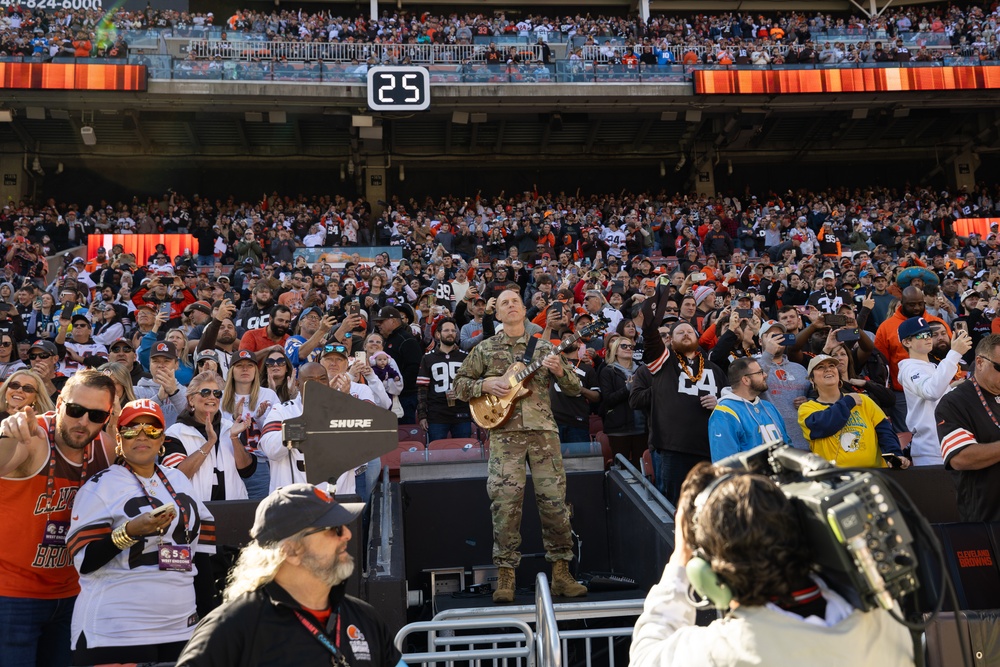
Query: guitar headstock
<point x="599" y="324"/>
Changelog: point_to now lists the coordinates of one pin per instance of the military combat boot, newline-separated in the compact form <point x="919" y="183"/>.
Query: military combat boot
<point x="563" y="582"/>
<point x="505" y="585"/>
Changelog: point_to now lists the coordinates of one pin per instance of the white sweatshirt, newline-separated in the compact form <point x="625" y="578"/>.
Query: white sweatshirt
<point x="924" y="384"/>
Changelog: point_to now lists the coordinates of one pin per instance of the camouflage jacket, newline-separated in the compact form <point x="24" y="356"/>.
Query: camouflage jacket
<point x="493" y="357"/>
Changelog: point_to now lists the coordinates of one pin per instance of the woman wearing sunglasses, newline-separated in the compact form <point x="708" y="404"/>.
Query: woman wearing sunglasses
<point x="10" y="361"/>
<point x="24" y="389"/>
<point x="244" y="399"/>
<point x="208" y="448"/>
<point x="138" y="535"/>
<point x="625" y="427"/>
<point x="280" y="377"/>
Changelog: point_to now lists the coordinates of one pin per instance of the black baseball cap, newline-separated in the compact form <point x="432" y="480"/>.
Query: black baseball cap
<point x="291" y="509"/>
<point x="388" y="312"/>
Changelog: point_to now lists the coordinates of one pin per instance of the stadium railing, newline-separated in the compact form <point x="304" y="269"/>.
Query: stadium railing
<point x="340" y="51"/>
<point x="563" y="71"/>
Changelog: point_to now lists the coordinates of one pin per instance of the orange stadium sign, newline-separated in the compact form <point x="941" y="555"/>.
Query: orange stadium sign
<point x="72" y="76"/>
<point x="980" y="226"/>
<point x="865" y="80"/>
<point x="142" y="245"/>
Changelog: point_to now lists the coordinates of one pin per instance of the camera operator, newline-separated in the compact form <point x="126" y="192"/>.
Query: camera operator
<point x="746" y="530"/>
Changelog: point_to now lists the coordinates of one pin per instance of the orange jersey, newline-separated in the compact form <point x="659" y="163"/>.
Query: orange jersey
<point x="29" y="568"/>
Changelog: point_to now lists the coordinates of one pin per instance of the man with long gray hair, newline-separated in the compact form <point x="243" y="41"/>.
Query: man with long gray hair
<point x="285" y="603"/>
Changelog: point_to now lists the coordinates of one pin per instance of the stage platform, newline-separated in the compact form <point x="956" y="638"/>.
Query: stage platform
<point x="523" y="606"/>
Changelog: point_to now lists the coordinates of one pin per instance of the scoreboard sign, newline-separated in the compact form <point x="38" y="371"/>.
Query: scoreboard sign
<point x="403" y="88"/>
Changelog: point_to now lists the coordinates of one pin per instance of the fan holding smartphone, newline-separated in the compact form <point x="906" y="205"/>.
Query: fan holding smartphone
<point x="138" y="534"/>
<point x="924" y="384"/>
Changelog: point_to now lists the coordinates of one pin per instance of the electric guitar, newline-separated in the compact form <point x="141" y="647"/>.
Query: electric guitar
<point x="491" y="411"/>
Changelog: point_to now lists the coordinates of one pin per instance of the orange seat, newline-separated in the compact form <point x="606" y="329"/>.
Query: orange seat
<point x="391" y="459"/>
<point x="407" y="432"/>
<point x="596" y="424"/>
<point x="454" y="443"/>
<point x="647" y="466"/>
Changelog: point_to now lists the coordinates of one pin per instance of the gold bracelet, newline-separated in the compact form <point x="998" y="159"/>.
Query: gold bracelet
<point x="121" y="538"/>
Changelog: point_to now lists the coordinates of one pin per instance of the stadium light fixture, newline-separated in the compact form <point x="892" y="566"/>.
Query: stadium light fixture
<point x="663" y="169"/>
<point x="343" y="172"/>
<point x="693" y="115"/>
<point x="34" y="113"/>
<point x="88" y="136"/>
<point x="859" y="114"/>
<point x="362" y="121"/>
<point x="6" y="116"/>
<point x="460" y="117"/>
<point x="402" y="173"/>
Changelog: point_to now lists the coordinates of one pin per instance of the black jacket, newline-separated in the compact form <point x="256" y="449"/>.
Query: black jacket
<point x="260" y="629"/>
<point x="617" y="415"/>
<point x="407" y="352"/>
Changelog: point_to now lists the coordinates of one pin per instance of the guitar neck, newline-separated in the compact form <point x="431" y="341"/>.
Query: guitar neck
<point x="530" y="369"/>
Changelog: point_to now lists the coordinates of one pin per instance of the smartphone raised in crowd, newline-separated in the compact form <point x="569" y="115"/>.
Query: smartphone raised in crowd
<point x="165" y="309"/>
<point x="849" y="335"/>
<point x="835" y="320"/>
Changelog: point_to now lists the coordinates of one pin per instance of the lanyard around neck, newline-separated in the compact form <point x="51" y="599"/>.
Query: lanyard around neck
<point x="333" y="647"/>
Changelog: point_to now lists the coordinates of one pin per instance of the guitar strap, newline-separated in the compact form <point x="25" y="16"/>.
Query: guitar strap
<point x="529" y="350"/>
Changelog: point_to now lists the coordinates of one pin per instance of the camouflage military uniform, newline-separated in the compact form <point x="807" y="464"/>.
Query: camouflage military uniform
<point x="530" y="434"/>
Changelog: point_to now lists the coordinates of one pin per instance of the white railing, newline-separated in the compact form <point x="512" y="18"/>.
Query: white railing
<point x="547" y="648"/>
<point x="515" y="647"/>
<point x="347" y="52"/>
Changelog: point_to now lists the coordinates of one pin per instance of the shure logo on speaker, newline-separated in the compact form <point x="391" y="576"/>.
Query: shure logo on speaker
<point x="350" y="423"/>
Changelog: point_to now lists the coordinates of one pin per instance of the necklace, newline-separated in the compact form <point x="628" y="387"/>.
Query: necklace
<point x="683" y="364"/>
<point x="148" y="483"/>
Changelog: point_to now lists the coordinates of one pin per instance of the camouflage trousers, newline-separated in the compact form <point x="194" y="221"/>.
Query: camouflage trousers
<point x="508" y="454"/>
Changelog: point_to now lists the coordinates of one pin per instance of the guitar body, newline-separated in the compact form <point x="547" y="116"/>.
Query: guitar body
<point x="491" y="411"/>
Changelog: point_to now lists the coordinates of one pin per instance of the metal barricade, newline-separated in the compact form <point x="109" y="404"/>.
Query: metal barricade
<point x="547" y="645"/>
<point x="509" y="649"/>
<point x="553" y="646"/>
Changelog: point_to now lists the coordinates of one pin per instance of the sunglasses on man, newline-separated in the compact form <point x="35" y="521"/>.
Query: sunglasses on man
<point x="77" y="411"/>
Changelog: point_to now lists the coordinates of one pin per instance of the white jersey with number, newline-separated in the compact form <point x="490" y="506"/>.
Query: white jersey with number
<point x="129" y="601"/>
<point x="288" y="464"/>
<point x="68" y="366"/>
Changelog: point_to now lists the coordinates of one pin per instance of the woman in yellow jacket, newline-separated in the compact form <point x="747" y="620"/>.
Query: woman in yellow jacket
<point x="848" y="429"/>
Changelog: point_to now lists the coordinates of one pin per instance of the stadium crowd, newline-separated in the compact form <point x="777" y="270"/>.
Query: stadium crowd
<point x="835" y="321"/>
<point x="726" y="38"/>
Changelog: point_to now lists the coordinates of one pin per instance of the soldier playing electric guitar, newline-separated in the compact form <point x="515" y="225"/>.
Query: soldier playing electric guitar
<point x="528" y="435"/>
